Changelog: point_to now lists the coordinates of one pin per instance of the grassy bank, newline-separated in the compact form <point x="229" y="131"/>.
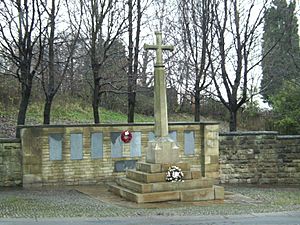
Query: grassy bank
<point x="74" y="112"/>
<point x="70" y="112"/>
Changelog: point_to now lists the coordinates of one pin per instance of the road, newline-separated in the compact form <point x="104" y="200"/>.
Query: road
<point x="282" y="218"/>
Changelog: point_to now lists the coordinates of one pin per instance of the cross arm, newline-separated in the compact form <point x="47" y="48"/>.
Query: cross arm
<point x="167" y="47"/>
<point x="150" y="47"/>
<point x="154" y="47"/>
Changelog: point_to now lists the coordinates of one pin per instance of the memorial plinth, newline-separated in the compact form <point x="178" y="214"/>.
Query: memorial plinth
<point x="148" y="182"/>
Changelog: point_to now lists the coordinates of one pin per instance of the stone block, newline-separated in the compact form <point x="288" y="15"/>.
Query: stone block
<point x="35" y="169"/>
<point x="219" y="192"/>
<point x="214" y="175"/>
<point x="214" y="159"/>
<point x="148" y="167"/>
<point x="196" y="174"/>
<point x="182" y="166"/>
<point x="146" y="197"/>
<point x="159" y="197"/>
<point x="135" y="185"/>
<point x="162" y="150"/>
<point x="32" y="180"/>
<point x="203" y="194"/>
<point x="152" y="177"/>
<point x="212" y="168"/>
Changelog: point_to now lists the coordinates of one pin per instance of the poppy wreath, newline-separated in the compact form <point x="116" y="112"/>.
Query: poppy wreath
<point x="174" y="174"/>
<point x="126" y="136"/>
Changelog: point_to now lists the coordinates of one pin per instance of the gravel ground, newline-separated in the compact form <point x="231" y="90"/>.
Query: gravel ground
<point x="62" y="202"/>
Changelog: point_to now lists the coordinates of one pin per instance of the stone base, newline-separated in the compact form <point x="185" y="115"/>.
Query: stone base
<point x="162" y="150"/>
<point x="203" y="194"/>
<point x="147" y="184"/>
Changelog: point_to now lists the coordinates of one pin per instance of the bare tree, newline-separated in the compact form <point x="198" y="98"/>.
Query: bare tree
<point x="56" y="64"/>
<point x="196" y="21"/>
<point x="103" y="24"/>
<point x="20" y="29"/>
<point x="133" y="56"/>
<point x="236" y="28"/>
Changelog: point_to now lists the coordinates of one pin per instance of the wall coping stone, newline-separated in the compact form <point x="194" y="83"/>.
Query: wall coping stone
<point x="115" y="124"/>
<point x="288" y="136"/>
<point x="248" y="133"/>
<point x="10" y="140"/>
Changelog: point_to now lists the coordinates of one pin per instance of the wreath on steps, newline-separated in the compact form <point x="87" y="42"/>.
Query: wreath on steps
<point x="174" y="174"/>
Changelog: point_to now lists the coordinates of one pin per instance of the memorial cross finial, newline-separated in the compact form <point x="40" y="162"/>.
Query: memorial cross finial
<point x="160" y="97"/>
<point x="159" y="47"/>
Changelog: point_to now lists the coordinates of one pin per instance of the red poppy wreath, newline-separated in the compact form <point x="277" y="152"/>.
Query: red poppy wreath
<point x="126" y="136"/>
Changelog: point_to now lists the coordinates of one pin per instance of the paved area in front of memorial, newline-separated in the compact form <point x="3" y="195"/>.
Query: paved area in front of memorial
<point x="279" y="218"/>
<point x="88" y="202"/>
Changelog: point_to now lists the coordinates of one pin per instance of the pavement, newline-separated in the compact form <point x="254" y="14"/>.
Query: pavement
<point x="88" y="205"/>
<point x="280" y="218"/>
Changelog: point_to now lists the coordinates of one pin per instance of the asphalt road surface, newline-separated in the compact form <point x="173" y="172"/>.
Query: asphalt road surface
<point x="282" y="218"/>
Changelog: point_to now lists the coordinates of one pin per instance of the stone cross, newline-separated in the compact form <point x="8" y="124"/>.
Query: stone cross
<point x="160" y="96"/>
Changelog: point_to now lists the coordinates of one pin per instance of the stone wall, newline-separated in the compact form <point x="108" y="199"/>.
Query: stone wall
<point x="62" y="167"/>
<point x="259" y="158"/>
<point x="245" y="157"/>
<point x="10" y="162"/>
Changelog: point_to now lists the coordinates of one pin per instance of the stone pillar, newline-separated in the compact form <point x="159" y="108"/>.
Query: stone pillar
<point x="32" y="146"/>
<point x="211" y="151"/>
<point x="162" y="149"/>
<point x="160" y="102"/>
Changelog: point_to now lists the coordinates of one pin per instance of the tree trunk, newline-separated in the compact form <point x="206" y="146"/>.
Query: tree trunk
<point x="131" y="106"/>
<point x="26" y="91"/>
<point x="133" y="59"/>
<point x="96" y="102"/>
<point x="197" y="106"/>
<point x="233" y="121"/>
<point x="47" y="109"/>
<point x="130" y="96"/>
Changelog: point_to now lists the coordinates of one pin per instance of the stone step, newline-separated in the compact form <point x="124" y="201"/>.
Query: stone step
<point x="134" y="185"/>
<point x="146" y="197"/>
<point x="164" y="186"/>
<point x="202" y="194"/>
<point x="159" y="168"/>
<point x="144" y="177"/>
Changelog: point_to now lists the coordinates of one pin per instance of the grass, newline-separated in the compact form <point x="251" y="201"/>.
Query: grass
<point x="69" y="112"/>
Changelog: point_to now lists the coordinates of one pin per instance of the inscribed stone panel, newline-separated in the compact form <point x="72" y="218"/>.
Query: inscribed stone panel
<point x="135" y="144"/>
<point x="116" y="145"/>
<point x="173" y="135"/>
<point x="55" y="146"/>
<point x="189" y="142"/>
<point x="97" y="145"/>
<point x="151" y="136"/>
<point x="76" y="146"/>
